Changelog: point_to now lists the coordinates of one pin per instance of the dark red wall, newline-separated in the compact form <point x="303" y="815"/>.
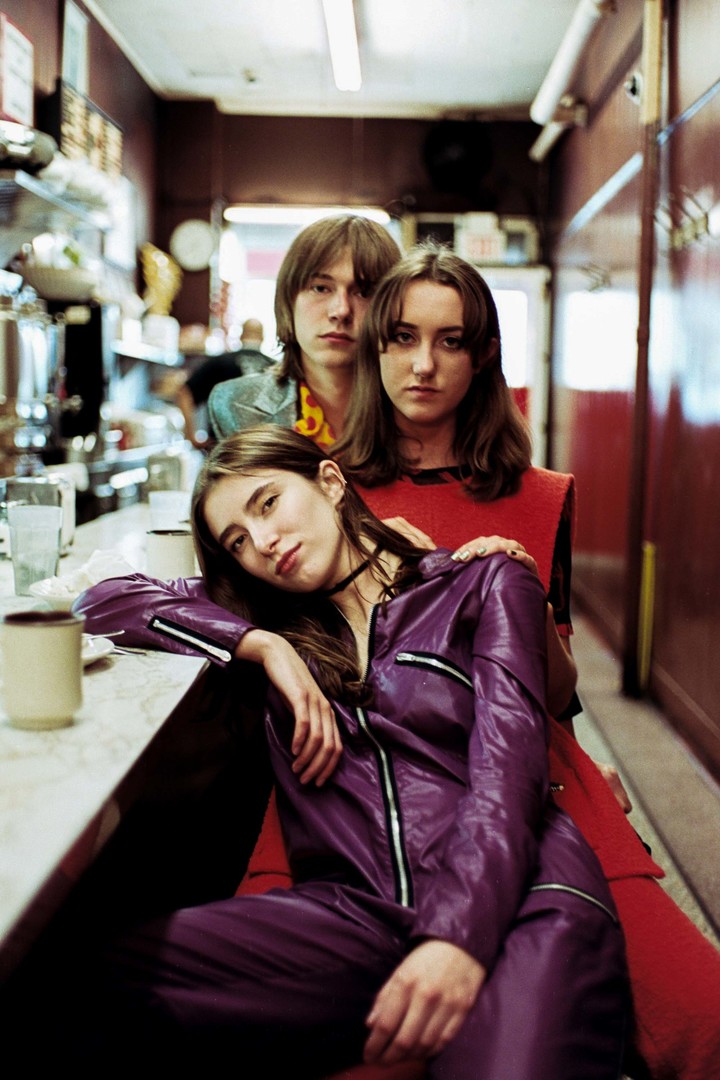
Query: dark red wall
<point x="685" y="400"/>
<point x="205" y="155"/>
<point x="374" y="161"/>
<point x="593" y="426"/>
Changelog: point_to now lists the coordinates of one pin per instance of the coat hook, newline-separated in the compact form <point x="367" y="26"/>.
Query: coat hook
<point x="694" y="221"/>
<point x="700" y="218"/>
<point x="599" y="277"/>
<point x="668" y="225"/>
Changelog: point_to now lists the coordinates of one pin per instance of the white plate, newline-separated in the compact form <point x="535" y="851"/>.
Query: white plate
<point x="95" y="648"/>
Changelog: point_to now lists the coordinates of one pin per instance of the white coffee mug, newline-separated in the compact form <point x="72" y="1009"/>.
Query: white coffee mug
<point x="170" y="554"/>
<point x="42" y="668"/>
<point x="169" y="509"/>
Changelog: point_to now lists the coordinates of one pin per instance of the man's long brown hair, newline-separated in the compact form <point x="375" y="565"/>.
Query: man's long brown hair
<point x="372" y="250"/>
<point x="492" y="441"/>
<point x="309" y="621"/>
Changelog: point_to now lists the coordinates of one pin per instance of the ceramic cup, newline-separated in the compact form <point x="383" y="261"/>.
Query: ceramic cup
<point x="169" y="509"/>
<point x="42" y="668"/>
<point x="35" y="540"/>
<point x="170" y="554"/>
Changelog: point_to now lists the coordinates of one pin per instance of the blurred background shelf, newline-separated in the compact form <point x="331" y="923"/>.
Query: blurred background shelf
<point x="29" y="207"/>
<point x="154" y="355"/>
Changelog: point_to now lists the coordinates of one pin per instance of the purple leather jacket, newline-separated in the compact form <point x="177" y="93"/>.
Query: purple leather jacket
<point x="440" y="803"/>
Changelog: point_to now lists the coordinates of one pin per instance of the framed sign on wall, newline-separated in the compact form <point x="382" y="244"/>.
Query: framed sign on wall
<point x="75" y="47"/>
<point x="82" y="130"/>
<point x="16" y="74"/>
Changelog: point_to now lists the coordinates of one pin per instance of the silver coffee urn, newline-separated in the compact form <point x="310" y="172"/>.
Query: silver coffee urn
<point x="31" y="401"/>
<point x="31" y="390"/>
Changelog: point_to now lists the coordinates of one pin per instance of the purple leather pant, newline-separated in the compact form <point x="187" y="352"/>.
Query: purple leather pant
<point x="280" y="984"/>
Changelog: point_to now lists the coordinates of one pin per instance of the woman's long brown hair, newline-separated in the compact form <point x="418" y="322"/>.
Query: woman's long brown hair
<point x="492" y="441"/>
<point x="309" y="621"/>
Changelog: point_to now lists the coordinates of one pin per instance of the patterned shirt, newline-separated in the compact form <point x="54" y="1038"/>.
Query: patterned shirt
<point x="312" y="420"/>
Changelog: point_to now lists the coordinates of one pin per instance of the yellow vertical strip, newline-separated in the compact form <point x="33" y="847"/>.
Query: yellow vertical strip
<point x="647" y="612"/>
<point x="652" y="61"/>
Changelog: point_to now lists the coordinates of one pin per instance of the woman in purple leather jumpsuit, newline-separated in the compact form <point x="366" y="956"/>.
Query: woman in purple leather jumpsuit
<point x="444" y="908"/>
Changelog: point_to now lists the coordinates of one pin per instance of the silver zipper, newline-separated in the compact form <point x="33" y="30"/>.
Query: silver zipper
<point x="371" y="639"/>
<point x="402" y="876"/>
<point x="425" y="660"/>
<point x="198" y="643"/>
<point x="554" y="886"/>
<point x="395" y="828"/>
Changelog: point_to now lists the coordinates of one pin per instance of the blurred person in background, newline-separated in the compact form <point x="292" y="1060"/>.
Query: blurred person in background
<point x="196" y="389"/>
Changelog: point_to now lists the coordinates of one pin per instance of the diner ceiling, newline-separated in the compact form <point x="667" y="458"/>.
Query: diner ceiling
<point x="419" y="58"/>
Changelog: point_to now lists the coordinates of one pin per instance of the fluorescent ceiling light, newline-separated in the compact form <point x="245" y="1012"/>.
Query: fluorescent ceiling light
<point x="554" y="105"/>
<point x="558" y="80"/>
<point x="298" y="215"/>
<point x="342" y="39"/>
<point x="546" y="140"/>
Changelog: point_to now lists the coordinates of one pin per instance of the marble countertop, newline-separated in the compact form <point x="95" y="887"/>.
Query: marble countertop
<point x="57" y="788"/>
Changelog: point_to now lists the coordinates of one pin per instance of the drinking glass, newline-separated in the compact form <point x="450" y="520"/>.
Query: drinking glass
<point x="35" y="537"/>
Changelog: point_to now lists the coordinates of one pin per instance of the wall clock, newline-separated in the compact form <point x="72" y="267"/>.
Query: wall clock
<point x="192" y="244"/>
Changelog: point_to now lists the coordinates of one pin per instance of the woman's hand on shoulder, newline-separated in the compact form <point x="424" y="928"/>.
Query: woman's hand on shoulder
<point x="491" y="545"/>
<point x="316" y="744"/>
<point x="423" y="1004"/>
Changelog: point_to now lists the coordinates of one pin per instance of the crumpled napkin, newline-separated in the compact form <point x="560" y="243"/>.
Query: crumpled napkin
<point x="100" y="565"/>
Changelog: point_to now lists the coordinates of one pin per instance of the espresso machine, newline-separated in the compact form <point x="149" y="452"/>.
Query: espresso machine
<point x="57" y="367"/>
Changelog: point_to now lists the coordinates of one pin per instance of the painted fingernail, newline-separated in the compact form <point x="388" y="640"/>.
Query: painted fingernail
<point x="482" y="550"/>
<point x="513" y="552"/>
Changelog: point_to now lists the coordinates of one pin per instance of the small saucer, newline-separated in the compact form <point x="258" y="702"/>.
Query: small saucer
<point x="95" y="648"/>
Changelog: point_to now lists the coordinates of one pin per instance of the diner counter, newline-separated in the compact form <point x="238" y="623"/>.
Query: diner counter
<point x="63" y="792"/>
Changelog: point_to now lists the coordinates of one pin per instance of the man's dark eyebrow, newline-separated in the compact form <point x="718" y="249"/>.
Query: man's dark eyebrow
<point x="255" y="497"/>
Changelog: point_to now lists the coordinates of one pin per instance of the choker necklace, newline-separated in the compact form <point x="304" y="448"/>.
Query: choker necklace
<point x="346" y="580"/>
